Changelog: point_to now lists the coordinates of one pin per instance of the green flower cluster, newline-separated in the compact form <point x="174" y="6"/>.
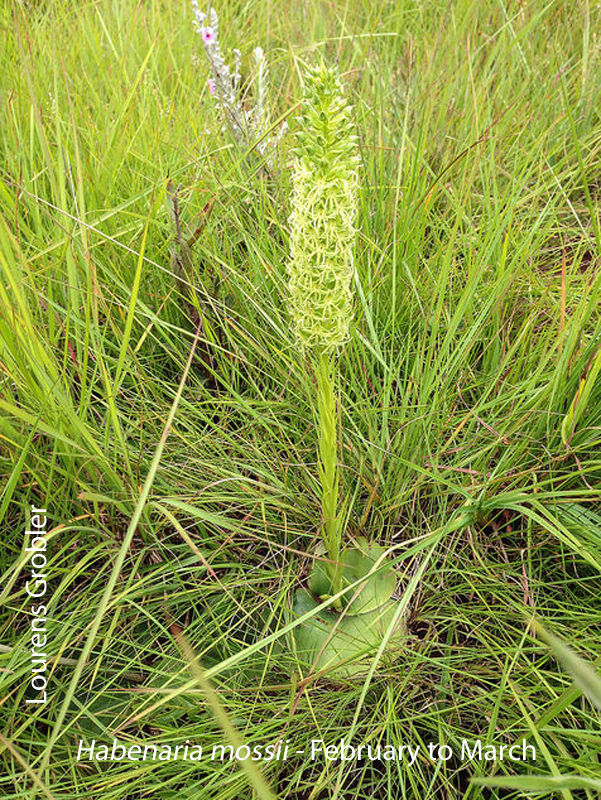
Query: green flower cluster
<point x="324" y="209"/>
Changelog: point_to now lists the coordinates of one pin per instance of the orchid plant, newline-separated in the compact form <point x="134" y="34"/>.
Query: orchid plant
<point x="321" y="269"/>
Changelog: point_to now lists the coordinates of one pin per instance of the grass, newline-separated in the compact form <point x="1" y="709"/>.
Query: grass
<point x="193" y="505"/>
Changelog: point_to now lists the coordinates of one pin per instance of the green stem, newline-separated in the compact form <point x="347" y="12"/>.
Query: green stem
<point x="328" y="467"/>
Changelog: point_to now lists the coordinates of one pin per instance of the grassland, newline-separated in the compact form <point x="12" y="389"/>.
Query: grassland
<point x="160" y="410"/>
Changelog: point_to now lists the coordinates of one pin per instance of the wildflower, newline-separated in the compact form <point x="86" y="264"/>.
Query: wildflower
<point x="249" y="125"/>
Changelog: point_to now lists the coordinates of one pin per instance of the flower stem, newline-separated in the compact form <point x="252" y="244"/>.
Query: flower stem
<point x="328" y="467"/>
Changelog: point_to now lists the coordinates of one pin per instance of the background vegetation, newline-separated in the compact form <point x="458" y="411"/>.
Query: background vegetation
<point x="477" y="317"/>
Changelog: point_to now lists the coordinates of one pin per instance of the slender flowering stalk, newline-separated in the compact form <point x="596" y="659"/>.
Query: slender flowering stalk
<point x="249" y="126"/>
<point x="328" y="467"/>
<point x="320" y="270"/>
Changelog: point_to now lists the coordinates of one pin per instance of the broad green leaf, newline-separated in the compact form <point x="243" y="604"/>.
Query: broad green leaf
<point x="340" y="643"/>
<point x="358" y="561"/>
